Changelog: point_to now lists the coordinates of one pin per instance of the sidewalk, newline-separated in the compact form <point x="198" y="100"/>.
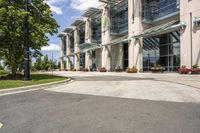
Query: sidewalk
<point x="189" y="80"/>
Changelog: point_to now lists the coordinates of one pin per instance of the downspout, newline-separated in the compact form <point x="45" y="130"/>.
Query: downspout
<point x="191" y="37"/>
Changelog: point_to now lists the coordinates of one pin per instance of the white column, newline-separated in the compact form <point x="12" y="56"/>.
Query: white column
<point x="62" y="56"/>
<point x="76" y="49"/>
<point x="88" y="39"/>
<point x="68" y="52"/>
<point x="106" y="37"/>
<point x="135" y="26"/>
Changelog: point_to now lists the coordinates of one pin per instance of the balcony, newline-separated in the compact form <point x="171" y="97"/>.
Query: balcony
<point x="119" y="18"/>
<point x="156" y="10"/>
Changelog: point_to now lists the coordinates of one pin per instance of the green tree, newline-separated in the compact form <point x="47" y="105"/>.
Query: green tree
<point x="53" y="64"/>
<point x="1" y="66"/>
<point x="37" y="64"/>
<point x="45" y="63"/>
<point x="12" y="15"/>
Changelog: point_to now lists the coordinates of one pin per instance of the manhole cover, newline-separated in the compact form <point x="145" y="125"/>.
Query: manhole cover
<point x="1" y="125"/>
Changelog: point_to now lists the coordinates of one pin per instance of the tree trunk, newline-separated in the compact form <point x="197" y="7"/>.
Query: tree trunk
<point x="14" y="70"/>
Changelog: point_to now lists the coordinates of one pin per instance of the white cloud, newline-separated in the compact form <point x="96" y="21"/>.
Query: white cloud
<point x="51" y="47"/>
<point x="56" y="5"/>
<point x="84" y="4"/>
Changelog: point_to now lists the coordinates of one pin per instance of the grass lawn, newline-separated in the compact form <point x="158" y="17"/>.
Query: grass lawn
<point x="36" y="79"/>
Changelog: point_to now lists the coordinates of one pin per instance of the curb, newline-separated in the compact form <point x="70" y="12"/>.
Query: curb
<point x="34" y="86"/>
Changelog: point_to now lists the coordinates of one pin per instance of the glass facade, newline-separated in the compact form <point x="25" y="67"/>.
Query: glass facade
<point x="82" y="34"/>
<point x="125" y="49"/>
<point x="72" y="42"/>
<point x="157" y="9"/>
<point x="94" y="66"/>
<point x="96" y="29"/>
<point x="65" y="44"/>
<point x="82" y="60"/>
<point x="162" y="50"/>
<point x="119" y="18"/>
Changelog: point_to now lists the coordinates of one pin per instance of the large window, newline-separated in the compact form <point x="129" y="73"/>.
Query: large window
<point x="82" y="60"/>
<point x="162" y="50"/>
<point x="82" y="34"/>
<point x="96" y="29"/>
<point x="119" y="18"/>
<point x="72" y="42"/>
<point x="159" y="9"/>
<point x="125" y="49"/>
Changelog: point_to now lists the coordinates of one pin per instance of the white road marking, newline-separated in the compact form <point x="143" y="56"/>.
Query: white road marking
<point x="1" y="125"/>
<point x="17" y="92"/>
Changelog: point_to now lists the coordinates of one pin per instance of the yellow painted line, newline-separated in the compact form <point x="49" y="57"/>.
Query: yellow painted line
<point x="1" y="125"/>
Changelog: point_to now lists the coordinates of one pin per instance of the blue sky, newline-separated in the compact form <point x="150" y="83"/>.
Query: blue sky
<point x="65" y="12"/>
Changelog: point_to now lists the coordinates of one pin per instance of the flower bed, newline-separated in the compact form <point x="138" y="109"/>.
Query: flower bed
<point x="184" y="70"/>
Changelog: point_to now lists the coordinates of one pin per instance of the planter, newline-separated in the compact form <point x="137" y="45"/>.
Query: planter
<point x="157" y="71"/>
<point x="131" y="70"/>
<point x="86" y="70"/>
<point x="195" y="71"/>
<point x="118" y="69"/>
<point x="103" y="69"/>
<point x="184" y="70"/>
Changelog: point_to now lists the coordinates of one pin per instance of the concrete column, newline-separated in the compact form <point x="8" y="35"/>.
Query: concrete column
<point x="62" y="56"/>
<point x="190" y="36"/>
<point x="76" y="49"/>
<point x="68" y="52"/>
<point x="88" y="60"/>
<point x="135" y="26"/>
<point x="121" y="56"/>
<point x="106" y="37"/>
<point x="88" y="39"/>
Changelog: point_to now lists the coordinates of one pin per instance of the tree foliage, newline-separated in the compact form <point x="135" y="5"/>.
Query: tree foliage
<point x="44" y="64"/>
<point x="12" y="16"/>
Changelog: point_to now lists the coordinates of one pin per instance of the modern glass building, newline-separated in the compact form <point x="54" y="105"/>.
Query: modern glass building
<point x="136" y="33"/>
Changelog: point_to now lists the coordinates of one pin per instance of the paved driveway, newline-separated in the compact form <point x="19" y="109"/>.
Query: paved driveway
<point x="125" y="86"/>
<point x="103" y="104"/>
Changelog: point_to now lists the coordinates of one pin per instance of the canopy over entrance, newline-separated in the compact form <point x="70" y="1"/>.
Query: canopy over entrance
<point x="117" y="41"/>
<point x="162" y="29"/>
<point x="88" y="47"/>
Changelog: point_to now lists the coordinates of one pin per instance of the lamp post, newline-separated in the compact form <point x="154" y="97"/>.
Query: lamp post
<point x="26" y="45"/>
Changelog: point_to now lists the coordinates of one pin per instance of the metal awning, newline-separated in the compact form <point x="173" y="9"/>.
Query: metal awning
<point x="88" y="47"/>
<point x="117" y="41"/>
<point x="77" y="22"/>
<point x="162" y="29"/>
<point x="91" y="11"/>
<point x="68" y="29"/>
<point x="110" y="1"/>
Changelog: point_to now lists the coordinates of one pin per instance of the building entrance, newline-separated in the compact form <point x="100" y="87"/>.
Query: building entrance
<point x="125" y="60"/>
<point x="163" y="50"/>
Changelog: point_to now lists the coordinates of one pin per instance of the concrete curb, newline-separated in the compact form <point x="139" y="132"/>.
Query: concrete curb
<point x="40" y="86"/>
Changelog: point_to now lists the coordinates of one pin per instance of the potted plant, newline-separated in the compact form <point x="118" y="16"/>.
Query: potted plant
<point x="86" y="70"/>
<point x="103" y="69"/>
<point x="118" y="69"/>
<point x="131" y="70"/>
<point x="195" y="69"/>
<point x="183" y="70"/>
<point x="73" y="70"/>
<point x="157" y="69"/>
